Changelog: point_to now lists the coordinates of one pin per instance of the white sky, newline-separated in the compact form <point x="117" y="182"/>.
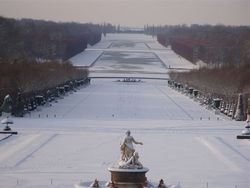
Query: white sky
<point x="132" y="12"/>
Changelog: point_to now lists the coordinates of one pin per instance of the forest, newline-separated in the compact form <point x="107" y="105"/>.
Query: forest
<point x="224" y="52"/>
<point x="215" y="45"/>
<point x="46" y="40"/>
<point x="34" y="53"/>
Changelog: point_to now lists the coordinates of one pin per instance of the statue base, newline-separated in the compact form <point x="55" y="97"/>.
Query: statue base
<point x="8" y="132"/>
<point x="128" y="178"/>
<point x="243" y="137"/>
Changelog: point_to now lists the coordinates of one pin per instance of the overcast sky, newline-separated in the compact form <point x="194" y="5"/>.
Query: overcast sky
<point x="132" y="12"/>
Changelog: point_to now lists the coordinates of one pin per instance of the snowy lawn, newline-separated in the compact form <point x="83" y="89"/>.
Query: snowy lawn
<point x="82" y="140"/>
<point x="67" y="151"/>
<point x="85" y="58"/>
<point x="174" y="61"/>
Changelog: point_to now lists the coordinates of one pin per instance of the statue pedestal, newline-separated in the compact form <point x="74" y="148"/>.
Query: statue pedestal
<point x="128" y="178"/>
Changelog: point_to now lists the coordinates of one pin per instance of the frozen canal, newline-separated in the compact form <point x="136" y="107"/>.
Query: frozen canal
<point x="78" y="138"/>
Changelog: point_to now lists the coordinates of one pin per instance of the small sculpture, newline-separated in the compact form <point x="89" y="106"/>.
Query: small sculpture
<point x="129" y="158"/>
<point x="7" y="105"/>
<point x="5" y="111"/>
<point x="7" y="121"/>
<point x="245" y="134"/>
<point x="162" y="184"/>
<point x="95" y="184"/>
<point x="239" y="114"/>
<point x="246" y="131"/>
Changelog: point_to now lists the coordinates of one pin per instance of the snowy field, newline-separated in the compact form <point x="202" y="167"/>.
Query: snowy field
<point x="133" y="46"/>
<point x="77" y="138"/>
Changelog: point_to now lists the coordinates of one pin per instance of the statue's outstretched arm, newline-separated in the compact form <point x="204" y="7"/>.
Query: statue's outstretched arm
<point x="137" y="142"/>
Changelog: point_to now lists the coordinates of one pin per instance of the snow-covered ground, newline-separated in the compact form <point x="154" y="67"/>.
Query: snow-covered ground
<point x="77" y="138"/>
<point x="134" y="48"/>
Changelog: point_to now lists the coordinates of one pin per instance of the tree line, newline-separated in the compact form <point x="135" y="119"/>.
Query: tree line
<point x="33" y="58"/>
<point x="25" y="79"/>
<point x="223" y="49"/>
<point x="46" y="39"/>
<point x="225" y="82"/>
<point x="216" y="45"/>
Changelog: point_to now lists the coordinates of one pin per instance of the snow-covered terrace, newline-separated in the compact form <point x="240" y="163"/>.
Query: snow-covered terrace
<point x="77" y="138"/>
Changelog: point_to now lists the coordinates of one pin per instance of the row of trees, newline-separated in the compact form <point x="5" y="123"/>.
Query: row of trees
<point x="28" y="77"/>
<point x="213" y="44"/>
<point x="225" y="49"/>
<point x="225" y="82"/>
<point x="33" y="55"/>
<point x="46" y="39"/>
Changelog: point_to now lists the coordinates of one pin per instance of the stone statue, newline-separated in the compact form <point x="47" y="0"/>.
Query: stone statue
<point x="5" y="111"/>
<point x="162" y="184"/>
<point x="132" y="163"/>
<point x="7" y="105"/>
<point x="129" y="158"/>
<point x="129" y="172"/>
<point x="239" y="114"/>
<point x="135" y="161"/>
<point x="95" y="184"/>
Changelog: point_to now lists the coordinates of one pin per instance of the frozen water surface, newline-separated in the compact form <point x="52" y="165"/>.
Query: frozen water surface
<point x="78" y="138"/>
